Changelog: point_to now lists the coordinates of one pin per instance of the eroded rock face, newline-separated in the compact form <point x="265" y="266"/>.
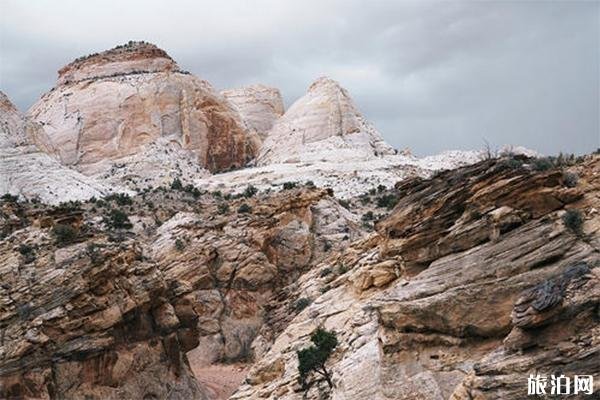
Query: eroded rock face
<point x="322" y="125"/>
<point x="472" y="283"/>
<point x="259" y="105"/>
<point x="30" y="173"/>
<point x="109" y="105"/>
<point x="113" y="314"/>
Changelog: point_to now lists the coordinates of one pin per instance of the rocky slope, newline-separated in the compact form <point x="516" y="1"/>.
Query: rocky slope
<point x="30" y="173"/>
<point x="110" y="105"/>
<point x="478" y="278"/>
<point x="94" y="308"/>
<point x="323" y="125"/>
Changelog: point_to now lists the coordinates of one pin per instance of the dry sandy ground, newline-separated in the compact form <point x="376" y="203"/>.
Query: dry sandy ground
<point x="221" y="380"/>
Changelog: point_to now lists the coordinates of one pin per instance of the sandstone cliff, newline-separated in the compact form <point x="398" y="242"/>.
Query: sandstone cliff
<point x="259" y="105"/>
<point x="323" y="125"/>
<point x="110" y="311"/>
<point x="474" y="281"/>
<point x="30" y="173"/>
<point x="110" y="105"/>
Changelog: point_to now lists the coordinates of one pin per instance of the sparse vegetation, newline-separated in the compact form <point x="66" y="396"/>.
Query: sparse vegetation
<point x="344" y="203"/>
<point x="250" y="191"/>
<point x="313" y="359"/>
<point x="64" y="234"/>
<point x="117" y="219"/>
<point x="179" y="245"/>
<point x="176" y="184"/>
<point x="244" y="209"/>
<point x="289" y="185"/>
<point x="542" y="164"/>
<point x="324" y="272"/>
<point x="368" y="216"/>
<point x="27" y="252"/>
<point x="9" y="198"/>
<point x="121" y="199"/>
<point x="570" y="179"/>
<point x="573" y="219"/>
<point x="223" y="208"/>
<point x="388" y="201"/>
<point x="301" y="304"/>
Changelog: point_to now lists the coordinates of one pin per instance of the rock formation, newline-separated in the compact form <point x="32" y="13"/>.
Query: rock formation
<point x="473" y="282"/>
<point x="323" y="125"/>
<point x="259" y="105"/>
<point x="30" y="173"/>
<point x="109" y="105"/>
<point x="110" y="313"/>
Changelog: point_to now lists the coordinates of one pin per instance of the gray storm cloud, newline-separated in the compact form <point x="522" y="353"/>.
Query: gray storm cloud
<point x="430" y="75"/>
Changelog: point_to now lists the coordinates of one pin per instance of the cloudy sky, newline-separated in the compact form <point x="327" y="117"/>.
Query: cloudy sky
<point x="429" y="75"/>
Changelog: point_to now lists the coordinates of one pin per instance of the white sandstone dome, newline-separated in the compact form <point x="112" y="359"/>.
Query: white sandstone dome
<point x="110" y="105"/>
<point x="323" y="125"/>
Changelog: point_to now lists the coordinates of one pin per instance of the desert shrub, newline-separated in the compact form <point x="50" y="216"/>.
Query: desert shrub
<point x="368" y="216"/>
<point x="244" y="208"/>
<point x="511" y="163"/>
<point x="9" y="198"/>
<point x="310" y="184"/>
<point x="573" y="219"/>
<point x="381" y="188"/>
<point x="289" y="185"/>
<point x="250" y="191"/>
<point x="117" y="219"/>
<point x="570" y="179"/>
<point x="217" y="194"/>
<point x="222" y="208"/>
<point x="372" y="191"/>
<point x="27" y="252"/>
<point x="344" y="203"/>
<point x="342" y="269"/>
<point x="542" y="164"/>
<point x="64" y="234"/>
<point x="314" y="358"/>
<point x="121" y="199"/>
<point x="388" y="201"/>
<point x="176" y="184"/>
<point x="301" y="304"/>
<point x="324" y="272"/>
<point x="179" y="244"/>
<point x="325" y="289"/>
<point x="193" y="190"/>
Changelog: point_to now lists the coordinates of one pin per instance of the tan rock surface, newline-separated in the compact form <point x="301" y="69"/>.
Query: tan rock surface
<point x="513" y="296"/>
<point x="109" y="105"/>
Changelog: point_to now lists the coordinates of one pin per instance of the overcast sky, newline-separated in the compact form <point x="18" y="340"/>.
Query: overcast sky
<point x="429" y="75"/>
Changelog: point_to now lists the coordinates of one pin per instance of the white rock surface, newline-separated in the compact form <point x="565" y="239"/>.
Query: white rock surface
<point x="347" y="179"/>
<point x="323" y="125"/>
<point x="259" y="106"/>
<point x="29" y="173"/>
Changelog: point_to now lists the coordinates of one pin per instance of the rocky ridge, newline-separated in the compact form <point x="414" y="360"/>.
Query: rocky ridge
<point x="474" y="281"/>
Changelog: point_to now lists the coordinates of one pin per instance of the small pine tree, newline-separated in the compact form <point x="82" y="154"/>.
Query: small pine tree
<point x="313" y="358"/>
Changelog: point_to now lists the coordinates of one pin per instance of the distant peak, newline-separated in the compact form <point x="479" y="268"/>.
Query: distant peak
<point x="133" y="56"/>
<point x="324" y="82"/>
